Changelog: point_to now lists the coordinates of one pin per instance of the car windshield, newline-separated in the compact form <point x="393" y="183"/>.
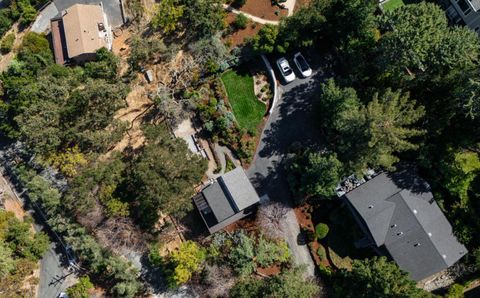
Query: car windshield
<point x="287" y="70"/>
<point x="303" y="64"/>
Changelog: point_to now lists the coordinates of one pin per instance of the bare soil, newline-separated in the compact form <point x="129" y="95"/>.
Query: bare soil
<point x="264" y="9"/>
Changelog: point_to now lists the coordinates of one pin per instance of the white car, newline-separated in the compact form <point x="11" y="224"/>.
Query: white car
<point x="286" y="70"/>
<point x="302" y="65"/>
<point x="62" y="295"/>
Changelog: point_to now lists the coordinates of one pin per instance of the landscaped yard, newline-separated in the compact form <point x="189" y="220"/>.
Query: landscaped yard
<point x="392" y="4"/>
<point x="248" y="110"/>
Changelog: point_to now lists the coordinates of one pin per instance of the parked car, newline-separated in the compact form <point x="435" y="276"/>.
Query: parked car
<point x="72" y="260"/>
<point x="302" y="65"/>
<point x="286" y="70"/>
<point x="62" y="295"/>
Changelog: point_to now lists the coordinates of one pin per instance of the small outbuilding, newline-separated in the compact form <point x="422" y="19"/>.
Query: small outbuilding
<point x="79" y="32"/>
<point x="230" y="198"/>
<point x="401" y="219"/>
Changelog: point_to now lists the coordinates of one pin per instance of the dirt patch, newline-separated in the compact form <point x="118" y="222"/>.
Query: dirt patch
<point x="137" y="103"/>
<point x="269" y="271"/>
<point x="237" y="38"/>
<point x="14" y="206"/>
<point x="264" y="9"/>
<point x="6" y="59"/>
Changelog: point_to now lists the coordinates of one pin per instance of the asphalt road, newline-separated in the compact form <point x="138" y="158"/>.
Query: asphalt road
<point x="291" y="121"/>
<point x="54" y="277"/>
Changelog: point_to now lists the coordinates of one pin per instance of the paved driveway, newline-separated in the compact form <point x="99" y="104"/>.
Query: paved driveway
<point x="292" y="120"/>
<point x="111" y="7"/>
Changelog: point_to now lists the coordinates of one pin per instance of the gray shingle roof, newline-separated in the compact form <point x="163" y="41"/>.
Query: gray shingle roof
<point x="230" y="194"/>
<point x="240" y="188"/>
<point x="475" y="4"/>
<point x="218" y="201"/>
<point x="400" y="213"/>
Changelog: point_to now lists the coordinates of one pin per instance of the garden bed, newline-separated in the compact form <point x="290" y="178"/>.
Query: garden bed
<point x="247" y="109"/>
<point x="263" y="9"/>
<point x="237" y="36"/>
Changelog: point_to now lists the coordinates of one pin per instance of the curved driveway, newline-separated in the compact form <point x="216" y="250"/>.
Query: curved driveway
<point x="292" y="120"/>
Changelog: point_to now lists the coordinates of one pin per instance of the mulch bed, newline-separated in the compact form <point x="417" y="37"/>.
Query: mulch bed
<point x="237" y="38"/>
<point x="263" y="9"/>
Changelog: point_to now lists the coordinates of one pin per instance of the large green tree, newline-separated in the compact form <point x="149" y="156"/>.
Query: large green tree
<point x="203" y="18"/>
<point x="376" y="278"/>
<point x="164" y="175"/>
<point x="417" y="39"/>
<point x="168" y="16"/>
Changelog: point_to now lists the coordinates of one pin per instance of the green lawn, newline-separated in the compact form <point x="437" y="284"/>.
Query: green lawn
<point x="248" y="110"/>
<point x="392" y="4"/>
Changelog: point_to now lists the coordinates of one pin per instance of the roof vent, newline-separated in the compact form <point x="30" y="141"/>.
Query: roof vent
<point x="415" y="211"/>
<point x="444" y="256"/>
<point x="370" y="206"/>
<point x="393" y="226"/>
<point x="399" y="233"/>
<point x="429" y="234"/>
<point x="416" y="244"/>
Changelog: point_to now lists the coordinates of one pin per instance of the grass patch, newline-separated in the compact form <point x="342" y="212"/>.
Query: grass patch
<point x="248" y="110"/>
<point x="392" y="4"/>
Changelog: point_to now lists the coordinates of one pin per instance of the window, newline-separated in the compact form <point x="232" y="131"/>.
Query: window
<point x="466" y="9"/>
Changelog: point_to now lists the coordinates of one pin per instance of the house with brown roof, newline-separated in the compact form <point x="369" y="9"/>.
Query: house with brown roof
<point x="79" y="32"/>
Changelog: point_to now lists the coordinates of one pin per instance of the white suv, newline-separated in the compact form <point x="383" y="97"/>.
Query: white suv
<point x="286" y="70"/>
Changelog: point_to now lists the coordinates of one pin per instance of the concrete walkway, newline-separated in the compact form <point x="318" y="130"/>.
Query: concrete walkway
<point x="251" y="17"/>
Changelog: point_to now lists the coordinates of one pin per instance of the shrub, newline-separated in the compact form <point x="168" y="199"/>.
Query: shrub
<point x="321" y="230"/>
<point x="241" y="21"/>
<point x="80" y="289"/>
<point x="455" y="291"/>
<point x="7" y="43"/>
<point x="239" y="3"/>
<point x="321" y="253"/>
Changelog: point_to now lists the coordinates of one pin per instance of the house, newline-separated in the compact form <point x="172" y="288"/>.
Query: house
<point x="465" y="12"/>
<point x="230" y="198"/>
<point x="400" y="219"/>
<point x="79" y="32"/>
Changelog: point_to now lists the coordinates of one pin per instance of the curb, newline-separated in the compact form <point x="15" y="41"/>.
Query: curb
<point x="273" y="82"/>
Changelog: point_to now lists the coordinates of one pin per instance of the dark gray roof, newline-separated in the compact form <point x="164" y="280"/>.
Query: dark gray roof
<point x="218" y="201"/>
<point x="400" y="213"/>
<point x="230" y="194"/>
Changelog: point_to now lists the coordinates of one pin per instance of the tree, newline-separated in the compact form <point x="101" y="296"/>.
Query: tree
<point x="460" y="169"/>
<point x="321" y="231"/>
<point x="320" y="174"/>
<point x="468" y="97"/>
<point x="270" y="217"/>
<point x="81" y="288"/>
<point x="168" y="16"/>
<point x="204" y="17"/>
<point x="389" y="118"/>
<point x="35" y="51"/>
<point x="376" y="278"/>
<point x="241" y="21"/>
<point x="164" y="174"/>
<point x="145" y="51"/>
<point x="104" y="67"/>
<point x="289" y="283"/>
<point x="303" y="28"/>
<point x="369" y="135"/>
<point x="266" y="39"/>
<point x="270" y="252"/>
<point x="184" y="262"/>
<point x="455" y="291"/>
<point x="417" y="38"/>
<point x="7" y="263"/>
<point x="242" y="254"/>
<point x="7" y="43"/>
